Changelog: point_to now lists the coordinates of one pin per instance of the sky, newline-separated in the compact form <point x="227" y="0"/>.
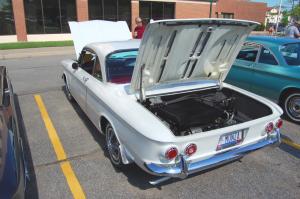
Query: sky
<point x="271" y="3"/>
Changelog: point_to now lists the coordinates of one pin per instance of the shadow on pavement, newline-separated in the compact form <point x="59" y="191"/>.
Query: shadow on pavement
<point x="289" y="149"/>
<point x="31" y="186"/>
<point x="136" y="176"/>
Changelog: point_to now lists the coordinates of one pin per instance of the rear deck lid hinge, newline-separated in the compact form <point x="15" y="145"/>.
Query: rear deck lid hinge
<point x="142" y="91"/>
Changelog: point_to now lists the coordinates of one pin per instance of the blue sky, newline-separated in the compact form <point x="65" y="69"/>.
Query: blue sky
<point x="276" y="2"/>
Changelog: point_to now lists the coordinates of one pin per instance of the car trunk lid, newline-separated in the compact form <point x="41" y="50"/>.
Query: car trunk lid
<point x="87" y="32"/>
<point x="174" y="51"/>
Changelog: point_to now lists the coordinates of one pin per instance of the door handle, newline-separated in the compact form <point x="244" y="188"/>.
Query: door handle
<point x="85" y="79"/>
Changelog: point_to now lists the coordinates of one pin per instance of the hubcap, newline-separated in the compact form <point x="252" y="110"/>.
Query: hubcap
<point x="294" y="106"/>
<point x="68" y="92"/>
<point x="113" y="146"/>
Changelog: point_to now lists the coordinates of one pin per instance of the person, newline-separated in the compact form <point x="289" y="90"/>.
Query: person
<point x="292" y="30"/>
<point x="139" y="29"/>
<point x="271" y="30"/>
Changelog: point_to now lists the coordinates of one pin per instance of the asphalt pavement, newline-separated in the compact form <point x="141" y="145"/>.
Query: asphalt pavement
<point x="267" y="173"/>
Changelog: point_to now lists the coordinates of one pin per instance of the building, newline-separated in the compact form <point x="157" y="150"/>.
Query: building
<point x="33" y="20"/>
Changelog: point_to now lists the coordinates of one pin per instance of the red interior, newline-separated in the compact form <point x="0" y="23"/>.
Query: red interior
<point x="121" y="79"/>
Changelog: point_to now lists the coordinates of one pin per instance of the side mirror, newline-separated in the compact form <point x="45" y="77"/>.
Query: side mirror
<point x="75" y="66"/>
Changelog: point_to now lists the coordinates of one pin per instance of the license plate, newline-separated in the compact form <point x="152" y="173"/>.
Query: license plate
<point x="230" y="139"/>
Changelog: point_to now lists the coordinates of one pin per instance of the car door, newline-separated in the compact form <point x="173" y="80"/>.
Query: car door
<point x="241" y="72"/>
<point x="81" y="76"/>
<point x="95" y="91"/>
<point x="267" y="74"/>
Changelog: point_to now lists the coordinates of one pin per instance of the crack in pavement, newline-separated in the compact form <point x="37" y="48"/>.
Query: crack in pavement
<point x="76" y="157"/>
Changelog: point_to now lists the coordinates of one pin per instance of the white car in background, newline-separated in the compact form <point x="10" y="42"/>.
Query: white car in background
<point x="161" y="102"/>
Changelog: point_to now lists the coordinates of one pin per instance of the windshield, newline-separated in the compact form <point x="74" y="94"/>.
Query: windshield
<point x="291" y="53"/>
<point x="119" y="66"/>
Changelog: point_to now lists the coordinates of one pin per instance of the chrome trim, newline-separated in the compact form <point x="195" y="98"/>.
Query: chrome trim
<point x="183" y="168"/>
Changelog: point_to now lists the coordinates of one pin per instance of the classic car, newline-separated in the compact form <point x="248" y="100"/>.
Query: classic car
<point x="270" y="67"/>
<point x="13" y="170"/>
<point x="161" y="102"/>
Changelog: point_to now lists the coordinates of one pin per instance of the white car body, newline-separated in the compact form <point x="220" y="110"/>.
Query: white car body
<point x="143" y="137"/>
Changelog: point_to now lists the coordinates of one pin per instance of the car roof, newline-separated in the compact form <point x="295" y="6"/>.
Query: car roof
<point x="271" y="40"/>
<point x="104" y="48"/>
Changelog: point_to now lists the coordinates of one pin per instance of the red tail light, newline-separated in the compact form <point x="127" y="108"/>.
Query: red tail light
<point x="171" y="153"/>
<point x="269" y="128"/>
<point x="190" y="149"/>
<point x="279" y="123"/>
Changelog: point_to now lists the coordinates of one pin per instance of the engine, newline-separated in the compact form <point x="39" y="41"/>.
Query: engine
<point x="194" y="113"/>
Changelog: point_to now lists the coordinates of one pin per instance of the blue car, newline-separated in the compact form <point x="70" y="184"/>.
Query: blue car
<point x="12" y="164"/>
<point x="270" y="67"/>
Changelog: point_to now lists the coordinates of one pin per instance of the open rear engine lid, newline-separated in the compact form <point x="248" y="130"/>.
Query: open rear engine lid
<point x="87" y="32"/>
<point x="174" y="51"/>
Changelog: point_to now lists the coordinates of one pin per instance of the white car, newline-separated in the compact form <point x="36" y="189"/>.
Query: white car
<point x="161" y="102"/>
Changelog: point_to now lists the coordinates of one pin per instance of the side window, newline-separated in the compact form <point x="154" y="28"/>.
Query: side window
<point x="291" y="53"/>
<point x="248" y="52"/>
<point x="97" y="70"/>
<point x="266" y="57"/>
<point x="87" y="61"/>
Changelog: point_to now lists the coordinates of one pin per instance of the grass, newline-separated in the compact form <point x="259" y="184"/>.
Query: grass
<point x="20" y="45"/>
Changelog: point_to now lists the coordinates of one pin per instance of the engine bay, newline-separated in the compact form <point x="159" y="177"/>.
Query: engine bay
<point x="197" y="112"/>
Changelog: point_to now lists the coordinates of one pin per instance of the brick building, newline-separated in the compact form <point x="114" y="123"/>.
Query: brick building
<point x="32" y="20"/>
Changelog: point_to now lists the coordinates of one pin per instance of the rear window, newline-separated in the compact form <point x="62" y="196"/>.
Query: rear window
<point x="248" y="52"/>
<point x="119" y="66"/>
<point x="291" y="53"/>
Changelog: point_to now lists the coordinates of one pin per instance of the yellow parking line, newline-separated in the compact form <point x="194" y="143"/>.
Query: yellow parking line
<point x="65" y="165"/>
<point x="290" y="143"/>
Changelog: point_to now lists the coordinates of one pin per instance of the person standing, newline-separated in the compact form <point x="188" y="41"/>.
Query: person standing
<point x="292" y="30"/>
<point x="139" y="29"/>
<point x="271" y="30"/>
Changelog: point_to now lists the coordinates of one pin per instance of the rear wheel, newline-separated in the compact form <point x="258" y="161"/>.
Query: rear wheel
<point x="291" y="106"/>
<point x="113" y="146"/>
<point x="68" y="93"/>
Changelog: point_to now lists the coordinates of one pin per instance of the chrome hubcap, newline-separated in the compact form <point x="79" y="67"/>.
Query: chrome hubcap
<point x="113" y="146"/>
<point x="294" y="106"/>
<point x="68" y="92"/>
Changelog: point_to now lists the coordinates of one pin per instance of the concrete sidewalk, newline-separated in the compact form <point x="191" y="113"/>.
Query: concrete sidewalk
<point x="36" y="52"/>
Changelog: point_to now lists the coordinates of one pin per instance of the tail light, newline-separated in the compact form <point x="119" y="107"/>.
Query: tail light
<point x="171" y="153"/>
<point x="279" y="123"/>
<point x="269" y="128"/>
<point x="190" y="149"/>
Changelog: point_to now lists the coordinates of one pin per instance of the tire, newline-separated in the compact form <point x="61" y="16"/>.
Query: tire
<point x="291" y="106"/>
<point x="68" y="93"/>
<point x="112" y="146"/>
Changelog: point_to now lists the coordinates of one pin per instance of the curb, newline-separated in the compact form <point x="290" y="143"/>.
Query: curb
<point x="35" y="52"/>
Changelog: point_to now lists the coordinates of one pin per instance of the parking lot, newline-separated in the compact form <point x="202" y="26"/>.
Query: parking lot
<point x="267" y="173"/>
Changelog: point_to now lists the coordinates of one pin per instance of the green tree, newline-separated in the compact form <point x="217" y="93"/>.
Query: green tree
<point x="295" y="12"/>
<point x="260" y="28"/>
<point x="285" y="18"/>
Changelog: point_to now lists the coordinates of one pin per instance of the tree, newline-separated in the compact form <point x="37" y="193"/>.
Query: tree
<point x="295" y="12"/>
<point x="285" y="18"/>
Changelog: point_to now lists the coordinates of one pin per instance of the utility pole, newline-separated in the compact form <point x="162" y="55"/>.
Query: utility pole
<point x="210" y="8"/>
<point x="278" y="14"/>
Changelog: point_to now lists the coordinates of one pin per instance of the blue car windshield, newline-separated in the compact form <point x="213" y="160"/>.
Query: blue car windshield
<point x="291" y="53"/>
<point x="119" y="66"/>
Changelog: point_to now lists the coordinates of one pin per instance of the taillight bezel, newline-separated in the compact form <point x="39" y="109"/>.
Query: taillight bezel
<point x="171" y="149"/>
<point x="279" y="123"/>
<point x="269" y="127"/>
<point x="186" y="151"/>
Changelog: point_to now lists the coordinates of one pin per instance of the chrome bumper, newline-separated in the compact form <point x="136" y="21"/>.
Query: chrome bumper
<point x="183" y="168"/>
